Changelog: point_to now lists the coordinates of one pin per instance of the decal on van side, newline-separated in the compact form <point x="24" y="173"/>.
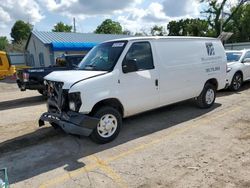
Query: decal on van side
<point x="210" y="49"/>
<point x="212" y="69"/>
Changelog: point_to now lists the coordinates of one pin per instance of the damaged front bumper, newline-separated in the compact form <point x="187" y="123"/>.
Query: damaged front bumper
<point x="71" y="122"/>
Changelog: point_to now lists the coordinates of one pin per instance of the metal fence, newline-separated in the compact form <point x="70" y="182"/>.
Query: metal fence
<point x="237" y="46"/>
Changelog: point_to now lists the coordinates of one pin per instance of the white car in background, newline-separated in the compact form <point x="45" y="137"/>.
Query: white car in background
<point x="238" y="68"/>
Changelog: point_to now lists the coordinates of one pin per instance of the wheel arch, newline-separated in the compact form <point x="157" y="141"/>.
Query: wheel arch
<point x="112" y="102"/>
<point x="213" y="81"/>
<point x="239" y="71"/>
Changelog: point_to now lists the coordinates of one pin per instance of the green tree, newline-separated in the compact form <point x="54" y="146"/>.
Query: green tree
<point x="157" y="31"/>
<point x="20" y="31"/>
<point x="3" y="43"/>
<point x="174" y="28"/>
<point x="127" y="32"/>
<point x="138" y="34"/>
<point x="197" y="27"/>
<point x="61" y="27"/>
<point x="188" y="27"/>
<point x="215" y="12"/>
<point x="239" y="25"/>
<point x="109" y="27"/>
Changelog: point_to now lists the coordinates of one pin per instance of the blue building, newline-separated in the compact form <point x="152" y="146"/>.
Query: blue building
<point x="42" y="48"/>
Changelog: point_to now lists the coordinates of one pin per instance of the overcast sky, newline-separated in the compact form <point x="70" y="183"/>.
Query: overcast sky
<point x="133" y="15"/>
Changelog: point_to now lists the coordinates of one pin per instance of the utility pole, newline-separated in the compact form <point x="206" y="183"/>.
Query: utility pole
<point x="74" y="24"/>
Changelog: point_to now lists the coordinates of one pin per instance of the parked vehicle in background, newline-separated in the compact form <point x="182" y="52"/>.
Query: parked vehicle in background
<point x="6" y="69"/>
<point x="121" y="78"/>
<point x="238" y="68"/>
<point x="32" y="78"/>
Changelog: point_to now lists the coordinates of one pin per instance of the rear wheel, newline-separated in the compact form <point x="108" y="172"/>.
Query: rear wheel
<point x="109" y="125"/>
<point x="236" y="82"/>
<point x="207" y="97"/>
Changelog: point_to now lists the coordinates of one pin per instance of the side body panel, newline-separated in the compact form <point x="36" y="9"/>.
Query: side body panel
<point x="185" y="66"/>
<point x="182" y="67"/>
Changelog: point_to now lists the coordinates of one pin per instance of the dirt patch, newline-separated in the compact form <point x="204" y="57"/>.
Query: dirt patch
<point x="243" y="125"/>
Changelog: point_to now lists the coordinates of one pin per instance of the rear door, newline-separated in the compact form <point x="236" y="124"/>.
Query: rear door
<point x="139" y="89"/>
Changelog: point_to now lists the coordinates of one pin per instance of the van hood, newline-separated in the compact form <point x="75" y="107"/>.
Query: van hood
<point x="71" y="77"/>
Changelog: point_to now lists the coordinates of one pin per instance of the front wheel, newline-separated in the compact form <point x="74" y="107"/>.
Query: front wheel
<point x="41" y="91"/>
<point x="207" y="97"/>
<point x="109" y="125"/>
<point x="236" y="82"/>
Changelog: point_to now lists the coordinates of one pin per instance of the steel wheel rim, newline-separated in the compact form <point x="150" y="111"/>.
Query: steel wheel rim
<point x="210" y="96"/>
<point x="237" y="82"/>
<point x="107" y="125"/>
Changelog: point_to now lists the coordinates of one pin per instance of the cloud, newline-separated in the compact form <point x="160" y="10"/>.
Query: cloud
<point x="158" y="13"/>
<point x="134" y="15"/>
<point x="141" y="20"/>
<point x="85" y="8"/>
<point x="4" y="18"/>
<point x="181" y="8"/>
<point x="12" y="10"/>
<point x="155" y="13"/>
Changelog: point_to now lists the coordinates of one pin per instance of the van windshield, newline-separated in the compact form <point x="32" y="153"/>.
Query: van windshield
<point x="103" y="57"/>
<point x="233" y="56"/>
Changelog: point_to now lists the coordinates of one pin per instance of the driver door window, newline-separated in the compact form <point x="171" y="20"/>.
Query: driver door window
<point x="141" y="54"/>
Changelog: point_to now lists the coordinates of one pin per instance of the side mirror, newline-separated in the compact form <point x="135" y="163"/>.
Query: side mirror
<point x="129" y="66"/>
<point x="246" y="60"/>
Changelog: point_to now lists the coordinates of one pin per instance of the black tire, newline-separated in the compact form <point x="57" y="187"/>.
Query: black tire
<point x="54" y="125"/>
<point x="101" y="113"/>
<point x="204" y="101"/>
<point x="236" y="82"/>
<point x="41" y="91"/>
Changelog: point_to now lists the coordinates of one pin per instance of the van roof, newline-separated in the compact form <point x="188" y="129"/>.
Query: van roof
<point x="164" y="37"/>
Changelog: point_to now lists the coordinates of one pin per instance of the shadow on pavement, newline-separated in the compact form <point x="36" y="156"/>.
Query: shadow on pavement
<point x="23" y="102"/>
<point x="228" y="92"/>
<point x="46" y="149"/>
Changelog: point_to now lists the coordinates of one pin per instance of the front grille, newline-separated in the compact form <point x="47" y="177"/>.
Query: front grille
<point x="58" y="97"/>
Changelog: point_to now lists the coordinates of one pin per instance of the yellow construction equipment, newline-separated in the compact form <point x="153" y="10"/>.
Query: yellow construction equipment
<point x="6" y="69"/>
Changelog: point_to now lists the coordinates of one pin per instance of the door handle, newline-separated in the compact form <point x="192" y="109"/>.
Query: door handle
<point x="156" y="82"/>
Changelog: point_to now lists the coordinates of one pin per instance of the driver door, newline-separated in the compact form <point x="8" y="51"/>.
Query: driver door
<point x="139" y="86"/>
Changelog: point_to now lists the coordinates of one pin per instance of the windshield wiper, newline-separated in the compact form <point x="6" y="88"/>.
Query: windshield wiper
<point x="75" y="67"/>
<point x="90" y="66"/>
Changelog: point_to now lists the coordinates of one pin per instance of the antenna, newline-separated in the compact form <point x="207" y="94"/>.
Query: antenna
<point x="74" y="24"/>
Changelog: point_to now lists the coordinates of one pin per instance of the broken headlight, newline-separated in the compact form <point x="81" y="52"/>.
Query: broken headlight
<point x="75" y="101"/>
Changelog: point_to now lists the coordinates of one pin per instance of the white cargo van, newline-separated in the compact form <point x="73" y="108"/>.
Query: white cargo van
<point x="120" y="78"/>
